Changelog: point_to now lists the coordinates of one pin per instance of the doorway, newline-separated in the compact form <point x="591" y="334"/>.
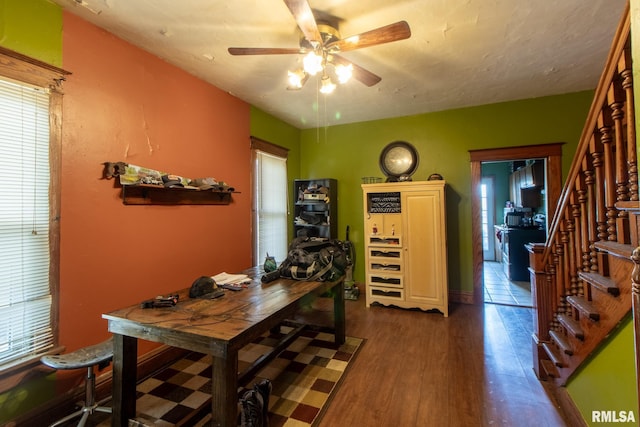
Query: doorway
<point x="501" y="286"/>
<point x="552" y="155"/>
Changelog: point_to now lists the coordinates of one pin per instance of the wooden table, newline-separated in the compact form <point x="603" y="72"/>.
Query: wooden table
<point x="219" y="327"/>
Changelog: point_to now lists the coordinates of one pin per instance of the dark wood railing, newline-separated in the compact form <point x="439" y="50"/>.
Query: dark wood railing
<point x="581" y="277"/>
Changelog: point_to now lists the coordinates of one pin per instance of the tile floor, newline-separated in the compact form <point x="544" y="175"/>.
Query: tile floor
<point x="500" y="290"/>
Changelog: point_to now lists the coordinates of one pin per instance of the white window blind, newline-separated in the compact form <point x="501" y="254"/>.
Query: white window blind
<point x="25" y="295"/>
<point x="270" y="207"/>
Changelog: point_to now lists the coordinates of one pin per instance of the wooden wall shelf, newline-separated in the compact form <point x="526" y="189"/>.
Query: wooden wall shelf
<point x="155" y="195"/>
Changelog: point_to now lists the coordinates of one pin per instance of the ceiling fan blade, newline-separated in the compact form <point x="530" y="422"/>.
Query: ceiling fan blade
<point x="389" y="33"/>
<point x="362" y="75"/>
<point x="265" y="50"/>
<point x="303" y="15"/>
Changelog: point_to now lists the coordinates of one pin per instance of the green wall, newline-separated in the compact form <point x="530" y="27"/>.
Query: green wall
<point x="607" y="381"/>
<point x="36" y="391"/>
<point x="443" y="139"/>
<point x="349" y="152"/>
<point x="270" y="129"/>
<point x="33" y="28"/>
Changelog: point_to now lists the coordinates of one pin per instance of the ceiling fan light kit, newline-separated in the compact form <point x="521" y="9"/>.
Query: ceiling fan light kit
<point x="313" y="63"/>
<point x="297" y="79"/>
<point x="321" y="44"/>
<point x="327" y="86"/>
<point x="344" y="73"/>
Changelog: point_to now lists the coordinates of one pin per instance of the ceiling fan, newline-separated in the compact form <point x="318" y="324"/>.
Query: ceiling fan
<point x="321" y="44"/>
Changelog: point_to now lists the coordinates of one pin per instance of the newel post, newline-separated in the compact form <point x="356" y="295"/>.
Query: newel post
<point x="542" y="296"/>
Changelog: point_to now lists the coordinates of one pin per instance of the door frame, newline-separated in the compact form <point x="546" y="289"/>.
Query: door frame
<point x="552" y="153"/>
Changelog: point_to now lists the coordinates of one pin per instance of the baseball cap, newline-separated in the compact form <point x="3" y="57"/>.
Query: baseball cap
<point x="205" y="287"/>
<point x="171" y="181"/>
<point x="204" y="183"/>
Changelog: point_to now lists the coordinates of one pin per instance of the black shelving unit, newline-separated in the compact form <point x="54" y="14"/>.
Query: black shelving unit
<point x="316" y="207"/>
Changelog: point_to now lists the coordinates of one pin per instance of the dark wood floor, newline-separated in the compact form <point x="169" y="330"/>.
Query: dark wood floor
<point x="418" y="369"/>
<point x="473" y="368"/>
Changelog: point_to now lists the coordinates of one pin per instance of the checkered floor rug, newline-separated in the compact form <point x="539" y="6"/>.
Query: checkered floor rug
<point x="303" y="377"/>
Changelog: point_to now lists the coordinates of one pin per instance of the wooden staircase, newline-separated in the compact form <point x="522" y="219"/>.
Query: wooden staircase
<point x="584" y="317"/>
<point x="581" y="277"/>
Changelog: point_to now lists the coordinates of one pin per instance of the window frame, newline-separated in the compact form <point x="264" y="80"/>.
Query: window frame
<point x="258" y="144"/>
<point x="21" y="68"/>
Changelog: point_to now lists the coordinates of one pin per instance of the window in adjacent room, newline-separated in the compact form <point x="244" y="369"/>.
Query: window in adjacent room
<point x="270" y="221"/>
<point x="30" y="111"/>
<point x="487" y="214"/>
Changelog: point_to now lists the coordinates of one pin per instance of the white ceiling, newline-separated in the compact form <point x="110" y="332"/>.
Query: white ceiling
<point x="461" y="52"/>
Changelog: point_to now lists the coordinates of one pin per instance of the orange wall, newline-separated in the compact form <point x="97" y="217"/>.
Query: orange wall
<point x="123" y="104"/>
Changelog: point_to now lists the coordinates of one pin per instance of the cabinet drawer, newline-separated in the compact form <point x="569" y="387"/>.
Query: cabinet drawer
<point x="385" y="255"/>
<point x="376" y="240"/>
<point x="389" y="293"/>
<point x="385" y="265"/>
<point x="392" y="280"/>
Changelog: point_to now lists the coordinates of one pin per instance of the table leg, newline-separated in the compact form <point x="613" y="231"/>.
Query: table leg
<point x="125" y="355"/>
<point x="224" y="388"/>
<point x="339" y="312"/>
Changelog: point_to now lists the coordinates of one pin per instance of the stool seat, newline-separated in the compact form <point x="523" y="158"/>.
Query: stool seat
<point x="88" y="357"/>
<point x="97" y="354"/>
<point x="92" y="355"/>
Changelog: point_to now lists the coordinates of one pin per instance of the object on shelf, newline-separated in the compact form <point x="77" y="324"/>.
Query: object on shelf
<point x="398" y="161"/>
<point x="129" y="174"/>
<point x="144" y="186"/>
<point x="315" y="208"/>
<point x="371" y="180"/>
<point x="313" y="193"/>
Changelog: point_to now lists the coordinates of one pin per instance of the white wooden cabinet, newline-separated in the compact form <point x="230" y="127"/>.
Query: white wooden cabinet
<point x="405" y="246"/>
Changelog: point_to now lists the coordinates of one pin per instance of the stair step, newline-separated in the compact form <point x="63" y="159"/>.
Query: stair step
<point x="605" y="284"/>
<point x="620" y="250"/>
<point x="552" y="352"/>
<point x="585" y="307"/>
<point x="550" y="368"/>
<point x="572" y="326"/>
<point x="562" y="342"/>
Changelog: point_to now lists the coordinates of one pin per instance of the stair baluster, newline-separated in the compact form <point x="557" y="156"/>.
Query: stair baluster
<point x="626" y="73"/>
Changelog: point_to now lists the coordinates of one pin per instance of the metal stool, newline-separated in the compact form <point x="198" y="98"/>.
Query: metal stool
<point x="87" y="357"/>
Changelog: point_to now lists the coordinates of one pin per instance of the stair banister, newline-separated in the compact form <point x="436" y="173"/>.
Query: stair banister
<point x="581" y="276"/>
